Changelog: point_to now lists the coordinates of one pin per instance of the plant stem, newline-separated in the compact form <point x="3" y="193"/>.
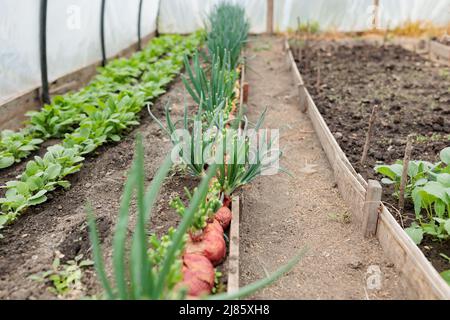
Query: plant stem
<point x="404" y="181"/>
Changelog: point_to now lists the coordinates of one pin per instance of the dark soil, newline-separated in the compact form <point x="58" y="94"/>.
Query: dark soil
<point x="29" y="245"/>
<point x="413" y="95"/>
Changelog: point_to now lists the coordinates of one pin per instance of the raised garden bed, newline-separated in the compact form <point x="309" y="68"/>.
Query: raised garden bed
<point x="353" y="78"/>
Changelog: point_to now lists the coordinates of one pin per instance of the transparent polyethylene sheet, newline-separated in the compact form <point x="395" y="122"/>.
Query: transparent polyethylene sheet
<point x="185" y="16"/>
<point x="73" y="27"/>
<point x="357" y="15"/>
<point x="73" y="37"/>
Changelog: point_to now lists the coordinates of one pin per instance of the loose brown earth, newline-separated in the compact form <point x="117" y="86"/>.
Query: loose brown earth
<point x="283" y="214"/>
<point x="29" y="245"/>
<point x="414" y="98"/>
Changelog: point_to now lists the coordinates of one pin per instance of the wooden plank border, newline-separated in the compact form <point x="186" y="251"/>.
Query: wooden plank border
<point x="440" y="52"/>
<point x="12" y="111"/>
<point x="233" y="266"/>
<point x="420" y="277"/>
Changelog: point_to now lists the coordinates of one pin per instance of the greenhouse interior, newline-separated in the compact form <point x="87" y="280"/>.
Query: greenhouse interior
<point x="255" y="150"/>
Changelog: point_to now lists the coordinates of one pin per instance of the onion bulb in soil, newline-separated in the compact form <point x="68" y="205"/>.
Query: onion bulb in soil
<point x="224" y="216"/>
<point x="212" y="246"/>
<point x="198" y="275"/>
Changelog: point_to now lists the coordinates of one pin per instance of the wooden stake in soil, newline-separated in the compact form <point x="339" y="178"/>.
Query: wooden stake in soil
<point x="270" y="10"/>
<point x="373" y="117"/>
<point x="376" y="10"/>
<point x="371" y="208"/>
<point x="245" y="92"/>
<point x="404" y="181"/>
<point x="318" y="73"/>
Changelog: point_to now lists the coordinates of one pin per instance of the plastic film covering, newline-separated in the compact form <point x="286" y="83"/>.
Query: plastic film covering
<point x="73" y="27"/>
<point x="358" y="15"/>
<point x="185" y="16"/>
<point x="73" y="37"/>
<point x="19" y="49"/>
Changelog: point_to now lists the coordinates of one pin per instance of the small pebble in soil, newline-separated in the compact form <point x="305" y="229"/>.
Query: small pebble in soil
<point x="60" y="207"/>
<point x="88" y="185"/>
<point x="355" y="265"/>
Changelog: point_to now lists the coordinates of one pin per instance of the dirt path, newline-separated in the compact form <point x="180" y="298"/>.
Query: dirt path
<point x="281" y="214"/>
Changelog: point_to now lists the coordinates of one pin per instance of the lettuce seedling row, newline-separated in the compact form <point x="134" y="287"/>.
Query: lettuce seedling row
<point x="417" y="272"/>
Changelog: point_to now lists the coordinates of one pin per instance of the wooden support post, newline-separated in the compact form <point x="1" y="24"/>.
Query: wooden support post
<point x="371" y="208"/>
<point x="270" y="12"/>
<point x="245" y="92"/>
<point x="404" y="180"/>
<point x="303" y="98"/>
<point x="376" y="13"/>
<point x="373" y="117"/>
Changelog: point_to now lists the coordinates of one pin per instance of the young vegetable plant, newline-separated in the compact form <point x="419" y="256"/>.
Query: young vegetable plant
<point x="41" y="176"/>
<point x="429" y="189"/>
<point x="65" y="278"/>
<point x="15" y="146"/>
<point x="147" y="280"/>
<point x="242" y="156"/>
<point x="147" y="274"/>
<point x="210" y="204"/>
<point x="209" y="92"/>
<point x="193" y="141"/>
<point x="225" y="38"/>
<point x="418" y="172"/>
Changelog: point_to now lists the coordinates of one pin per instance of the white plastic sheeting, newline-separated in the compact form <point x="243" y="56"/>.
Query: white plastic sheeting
<point x="73" y="27"/>
<point x="185" y="16"/>
<point x="19" y="43"/>
<point x="73" y="37"/>
<point x="357" y="15"/>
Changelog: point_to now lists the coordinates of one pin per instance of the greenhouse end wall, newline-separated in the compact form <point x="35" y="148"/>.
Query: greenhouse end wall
<point x="73" y="28"/>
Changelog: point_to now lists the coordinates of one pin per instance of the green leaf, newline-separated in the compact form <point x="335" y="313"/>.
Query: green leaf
<point x="415" y="233"/>
<point x="53" y="171"/>
<point x="387" y="181"/>
<point x="446" y="276"/>
<point x="394" y="172"/>
<point x="445" y="156"/>
<point x="115" y="138"/>
<point x="447" y="226"/>
<point x="444" y="179"/>
<point x="38" y="195"/>
<point x="6" y="162"/>
<point x="435" y="189"/>
<point x="22" y="188"/>
<point x="37" y="201"/>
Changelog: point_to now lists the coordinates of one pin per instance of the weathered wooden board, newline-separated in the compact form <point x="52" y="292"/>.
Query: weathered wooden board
<point x="421" y="278"/>
<point x="440" y="52"/>
<point x="12" y="112"/>
<point x="233" y="266"/>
